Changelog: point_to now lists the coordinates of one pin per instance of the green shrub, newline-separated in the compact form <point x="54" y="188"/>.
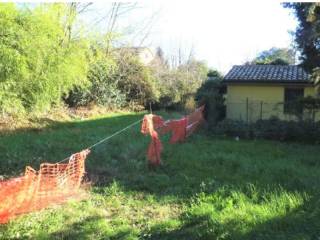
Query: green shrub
<point x="103" y="89"/>
<point x="38" y="64"/>
<point x="272" y="129"/>
<point x="189" y="104"/>
<point x="116" y="81"/>
<point x="211" y="94"/>
<point x="177" y="84"/>
<point x="135" y="80"/>
<point x="232" y="128"/>
<point x="275" y="129"/>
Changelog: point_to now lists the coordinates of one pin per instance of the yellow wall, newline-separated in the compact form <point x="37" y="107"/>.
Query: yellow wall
<point x="264" y="101"/>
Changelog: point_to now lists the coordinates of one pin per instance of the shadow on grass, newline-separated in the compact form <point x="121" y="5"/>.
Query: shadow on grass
<point x="301" y="223"/>
<point x="78" y="230"/>
<point x="201" y="164"/>
<point x="56" y="141"/>
<point x="90" y="228"/>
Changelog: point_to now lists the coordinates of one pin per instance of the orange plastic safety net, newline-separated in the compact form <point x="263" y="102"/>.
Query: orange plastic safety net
<point x="180" y="129"/>
<point x="52" y="184"/>
<point x="149" y="125"/>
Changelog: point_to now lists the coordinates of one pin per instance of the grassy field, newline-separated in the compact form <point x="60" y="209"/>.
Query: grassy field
<point x="207" y="188"/>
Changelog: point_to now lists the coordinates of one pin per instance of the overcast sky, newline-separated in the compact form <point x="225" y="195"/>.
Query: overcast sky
<point x="223" y="33"/>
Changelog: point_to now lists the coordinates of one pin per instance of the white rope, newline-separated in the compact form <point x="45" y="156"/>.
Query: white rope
<point x="107" y="138"/>
<point x="115" y="134"/>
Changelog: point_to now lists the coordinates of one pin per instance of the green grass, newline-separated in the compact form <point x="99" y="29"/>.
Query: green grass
<point x="207" y="188"/>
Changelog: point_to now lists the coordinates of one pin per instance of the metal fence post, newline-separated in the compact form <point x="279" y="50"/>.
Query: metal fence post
<point x="247" y="107"/>
<point x="313" y="115"/>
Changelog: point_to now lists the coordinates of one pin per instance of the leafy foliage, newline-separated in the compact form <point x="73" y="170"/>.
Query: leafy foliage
<point x="42" y="63"/>
<point x="307" y="34"/>
<point x="179" y="85"/>
<point x="275" y="56"/>
<point x="38" y="65"/>
<point x="211" y="94"/>
<point x="272" y="129"/>
<point x="209" y="188"/>
<point x="305" y="107"/>
<point x="135" y="80"/>
<point x="103" y="89"/>
<point x="214" y="74"/>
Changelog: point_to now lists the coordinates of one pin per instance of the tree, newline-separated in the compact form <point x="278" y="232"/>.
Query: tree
<point x="135" y="80"/>
<point x="178" y="85"/>
<point x="160" y="58"/>
<point x="117" y="79"/>
<point x="103" y="89"/>
<point x="214" y="74"/>
<point x="38" y="61"/>
<point x="307" y="34"/>
<point x="275" y="56"/>
<point x="211" y="95"/>
<point x="120" y="31"/>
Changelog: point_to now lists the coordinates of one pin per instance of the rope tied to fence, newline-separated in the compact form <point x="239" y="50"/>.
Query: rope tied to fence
<point x="107" y="138"/>
<point x="55" y="183"/>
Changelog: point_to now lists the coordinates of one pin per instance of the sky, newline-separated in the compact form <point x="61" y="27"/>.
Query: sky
<point x="222" y="33"/>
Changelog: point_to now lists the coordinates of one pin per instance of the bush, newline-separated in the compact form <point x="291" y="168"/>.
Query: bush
<point x="231" y="128"/>
<point x="116" y="81"/>
<point x="38" y="64"/>
<point x="211" y="94"/>
<point x="103" y="89"/>
<point x="272" y="129"/>
<point x="275" y="129"/>
<point x="177" y="84"/>
<point x="135" y="80"/>
<point x="189" y="104"/>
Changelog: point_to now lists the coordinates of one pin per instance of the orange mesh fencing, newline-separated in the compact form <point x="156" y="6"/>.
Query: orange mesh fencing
<point x="194" y="120"/>
<point x="180" y="129"/>
<point x="52" y="184"/>
<point x="149" y="125"/>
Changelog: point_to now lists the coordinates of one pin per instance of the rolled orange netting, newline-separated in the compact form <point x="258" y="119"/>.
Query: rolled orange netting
<point x="35" y="190"/>
<point x="149" y="125"/>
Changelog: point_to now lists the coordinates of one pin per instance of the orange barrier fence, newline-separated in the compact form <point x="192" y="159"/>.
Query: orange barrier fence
<point x="59" y="182"/>
<point x="180" y="129"/>
<point x="52" y="184"/>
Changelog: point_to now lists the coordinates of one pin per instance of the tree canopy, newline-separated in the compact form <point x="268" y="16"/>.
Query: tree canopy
<point x="37" y="63"/>
<point x="307" y="34"/>
<point x="275" y="56"/>
<point x="45" y="61"/>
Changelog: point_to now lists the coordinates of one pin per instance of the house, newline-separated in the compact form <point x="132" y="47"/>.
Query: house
<point x="144" y="54"/>
<point x="262" y="91"/>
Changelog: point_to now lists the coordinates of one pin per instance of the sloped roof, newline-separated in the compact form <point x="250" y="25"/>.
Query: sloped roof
<point x="266" y="74"/>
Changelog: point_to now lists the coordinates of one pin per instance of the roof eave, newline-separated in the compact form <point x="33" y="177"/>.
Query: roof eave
<point x="299" y="82"/>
